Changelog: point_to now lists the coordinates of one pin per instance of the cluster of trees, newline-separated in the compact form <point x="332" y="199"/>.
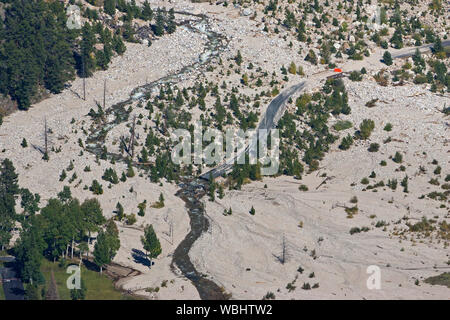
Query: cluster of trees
<point x="314" y="141"/>
<point x="35" y="48"/>
<point x="9" y="190"/>
<point x="241" y="172"/>
<point x="164" y="20"/>
<point x="38" y="50"/>
<point x="130" y="9"/>
<point x="63" y="225"/>
<point x="90" y="58"/>
<point x="437" y="75"/>
<point x="391" y="15"/>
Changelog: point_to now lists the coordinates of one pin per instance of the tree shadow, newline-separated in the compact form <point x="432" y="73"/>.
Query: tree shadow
<point x="91" y="265"/>
<point x="140" y="257"/>
<point x="279" y="258"/>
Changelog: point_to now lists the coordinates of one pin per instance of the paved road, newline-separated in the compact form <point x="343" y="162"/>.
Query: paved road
<point x="12" y="286"/>
<point x="276" y="109"/>
<point x="410" y="51"/>
<point x="273" y="113"/>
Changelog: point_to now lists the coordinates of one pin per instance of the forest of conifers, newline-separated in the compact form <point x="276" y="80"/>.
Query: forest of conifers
<point x="38" y="50"/>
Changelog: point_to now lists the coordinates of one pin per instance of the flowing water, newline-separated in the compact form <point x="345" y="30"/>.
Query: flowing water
<point x="192" y="189"/>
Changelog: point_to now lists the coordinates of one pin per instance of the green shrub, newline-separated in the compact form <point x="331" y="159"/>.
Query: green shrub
<point x="398" y="158"/>
<point x="342" y="125"/>
<point x="374" y="147"/>
<point x="388" y="127"/>
<point x="346" y="142"/>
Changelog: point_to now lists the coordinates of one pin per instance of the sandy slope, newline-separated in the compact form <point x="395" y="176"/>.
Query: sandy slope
<point x="138" y="65"/>
<point x="243" y="241"/>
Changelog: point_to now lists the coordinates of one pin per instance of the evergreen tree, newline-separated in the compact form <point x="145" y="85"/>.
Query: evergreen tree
<point x="387" y="58"/>
<point x="118" y="45"/>
<point x="438" y="45"/>
<point x="397" y="39"/>
<point x="311" y="57"/>
<point x="147" y="12"/>
<point x="92" y="215"/>
<point x="28" y="251"/>
<point x="151" y="243"/>
<point x="29" y="202"/>
<point x="158" y="28"/>
<point x="119" y="211"/>
<point x="171" y="26"/>
<point x="107" y="245"/>
<point x="9" y="189"/>
<point x="88" y="41"/>
<point x="238" y="58"/>
<point x="109" y="7"/>
<point x="59" y="63"/>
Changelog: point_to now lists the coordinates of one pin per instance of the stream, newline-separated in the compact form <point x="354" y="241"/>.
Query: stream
<point x="192" y="189"/>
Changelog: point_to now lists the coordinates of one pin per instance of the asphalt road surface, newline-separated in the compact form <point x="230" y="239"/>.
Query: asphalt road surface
<point x="422" y="49"/>
<point x="269" y="121"/>
<point x="275" y="109"/>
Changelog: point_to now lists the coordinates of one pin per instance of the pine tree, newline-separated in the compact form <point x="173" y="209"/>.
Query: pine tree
<point x="29" y="202"/>
<point x="88" y="41"/>
<point x="109" y="7"/>
<point x="9" y="189"/>
<point x="365" y="128"/>
<point x="397" y="39"/>
<point x="59" y="64"/>
<point x="92" y="215"/>
<point x="118" y="45"/>
<point x="311" y="57"/>
<point x="171" y="25"/>
<point x="238" y="58"/>
<point x="119" y="211"/>
<point x="158" y="28"/>
<point x="29" y="249"/>
<point x="438" y="45"/>
<point x="107" y="245"/>
<point x="151" y="243"/>
<point x="147" y="12"/>
<point x="387" y="58"/>
<point x="221" y="192"/>
<point x="101" y="251"/>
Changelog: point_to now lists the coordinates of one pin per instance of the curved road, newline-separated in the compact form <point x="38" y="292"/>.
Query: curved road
<point x="273" y="113"/>
<point x="276" y="109"/>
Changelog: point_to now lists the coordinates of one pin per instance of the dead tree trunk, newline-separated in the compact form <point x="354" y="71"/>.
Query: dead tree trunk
<point x="283" y="256"/>
<point x="104" y="95"/>
<point x="84" y="80"/>
<point x="131" y="145"/>
<point x="46" y="137"/>
<point x="72" y="247"/>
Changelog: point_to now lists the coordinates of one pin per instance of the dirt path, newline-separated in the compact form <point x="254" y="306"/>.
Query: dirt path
<point x="52" y="292"/>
